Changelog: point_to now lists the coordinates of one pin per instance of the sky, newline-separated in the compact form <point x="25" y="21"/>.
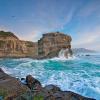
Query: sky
<point x="29" y="19"/>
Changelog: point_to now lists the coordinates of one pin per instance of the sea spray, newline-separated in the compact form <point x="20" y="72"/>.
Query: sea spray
<point x="80" y="75"/>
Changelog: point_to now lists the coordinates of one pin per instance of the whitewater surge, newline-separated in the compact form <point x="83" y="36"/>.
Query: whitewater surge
<point x="77" y="74"/>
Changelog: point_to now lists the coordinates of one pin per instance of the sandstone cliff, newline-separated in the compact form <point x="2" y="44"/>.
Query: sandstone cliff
<point x="51" y="43"/>
<point x="48" y="46"/>
<point x="11" y="46"/>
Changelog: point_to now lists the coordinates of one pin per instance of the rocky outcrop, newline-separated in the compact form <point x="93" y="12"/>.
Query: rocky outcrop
<point x="12" y="89"/>
<point x="11" y="46"/>
<point x="47" y="47"/>
<point x="51" y="43"/>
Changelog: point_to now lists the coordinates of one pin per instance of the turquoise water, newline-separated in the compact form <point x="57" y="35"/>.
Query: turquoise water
<point x="79" y="74"/>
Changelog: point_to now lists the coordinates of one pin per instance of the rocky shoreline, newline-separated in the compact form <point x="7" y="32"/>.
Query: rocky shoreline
<point x="30" y="88"/>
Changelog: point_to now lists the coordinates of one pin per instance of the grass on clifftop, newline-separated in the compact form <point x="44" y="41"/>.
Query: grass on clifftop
<point x="5" y="34"/>
<point x="3" y="93"/>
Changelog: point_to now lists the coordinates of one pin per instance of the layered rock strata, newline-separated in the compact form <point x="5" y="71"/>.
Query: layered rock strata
<point x="51" y="43"/>
<point x="47" y="47"/>
<point x="11" y="46"/>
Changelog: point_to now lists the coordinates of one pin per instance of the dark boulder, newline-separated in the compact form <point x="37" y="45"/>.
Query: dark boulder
<point x="10" y="87"/>
<point x="33" y="83"/>
<point x="1" y="70"/>
<point x="68" y="95"/>
<point x="52" y="88"/>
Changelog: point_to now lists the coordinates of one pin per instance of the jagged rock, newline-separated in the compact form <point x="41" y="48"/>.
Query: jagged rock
<point x="52" y="88"/>
<point x="10" y="87"/>
<point x="68" y="95"/>
<point x="51" y="43"/>
<point x="33" y="83"/>
<point x="58" y="95"/>
<point x="25" y="96"/>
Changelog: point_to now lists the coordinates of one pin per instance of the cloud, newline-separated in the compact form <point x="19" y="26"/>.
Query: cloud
<point x="89" y="8"/>
<point x="90" y="39"/>
<point x="49" y="16"/>
<point x="55" y="15"/>
<point x="3" y="28"/>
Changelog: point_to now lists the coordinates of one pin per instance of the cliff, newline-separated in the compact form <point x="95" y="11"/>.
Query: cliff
<point x="11" y="46"/>
<point x="48" y="46"/>
<point x="51" y="43"/>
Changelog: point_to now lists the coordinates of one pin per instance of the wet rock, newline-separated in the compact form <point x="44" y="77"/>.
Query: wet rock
<point x="68" y="95"/>
<point x="23" y="81"/>
<point x="52" y="88"/>
<point x="1" y="70"/>
<point x="33" y="83"/>
<point x="10" y="87"/>
<point x="87" y="55"/>
<point x="58" y="95"/>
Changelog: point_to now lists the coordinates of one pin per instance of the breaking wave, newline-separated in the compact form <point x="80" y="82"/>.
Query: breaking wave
<point x="78" y="74"/>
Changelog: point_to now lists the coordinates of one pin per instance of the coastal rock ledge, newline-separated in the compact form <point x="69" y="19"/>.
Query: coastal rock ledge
<point x="13" y="89"/>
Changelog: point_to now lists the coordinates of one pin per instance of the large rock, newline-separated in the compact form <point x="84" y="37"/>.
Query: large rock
<point x="68" y="95"/>
<point x="33" y="83"/>
<point x="10" y="87"/>
<point x="51" y="92"/>
<point x="51" y="43"/>
<point x="12" y="46"/>
<point x="52" y="88"/>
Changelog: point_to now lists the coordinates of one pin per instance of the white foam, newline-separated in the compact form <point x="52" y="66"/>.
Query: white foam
<point x="5" y="69"/>
<point x="64" y="58"/>
<point x="70" y="77"/>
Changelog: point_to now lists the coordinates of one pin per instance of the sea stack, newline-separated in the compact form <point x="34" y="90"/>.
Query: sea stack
<point x="52" y="43"/>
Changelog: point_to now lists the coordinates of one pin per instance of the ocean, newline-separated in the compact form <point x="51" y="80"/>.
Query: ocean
<point x="80" y="73"/>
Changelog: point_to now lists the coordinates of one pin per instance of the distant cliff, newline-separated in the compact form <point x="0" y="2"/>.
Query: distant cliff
<point x="48" y="46"/>
<point x="82" y="50"/>
<point x="11" y="46"/>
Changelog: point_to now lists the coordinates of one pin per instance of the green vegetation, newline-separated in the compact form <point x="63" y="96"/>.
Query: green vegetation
<point x="29" y="44"/>
<point x="5" y="34"/>
<point x="3" y="93"/>
<point x="2" y="43"/>
<point x="38" y="97"/>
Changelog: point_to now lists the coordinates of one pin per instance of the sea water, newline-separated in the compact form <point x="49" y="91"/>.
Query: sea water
<point x="80" y="74"/>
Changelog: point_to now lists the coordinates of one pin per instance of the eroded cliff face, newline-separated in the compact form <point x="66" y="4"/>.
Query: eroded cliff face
<point x="48" y="46"/>
<point x="51" y="43"/>
<point x="11" y="46"/>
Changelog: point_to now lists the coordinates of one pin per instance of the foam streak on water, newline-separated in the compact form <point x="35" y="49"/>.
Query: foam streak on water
<point x="80" y="75"/>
